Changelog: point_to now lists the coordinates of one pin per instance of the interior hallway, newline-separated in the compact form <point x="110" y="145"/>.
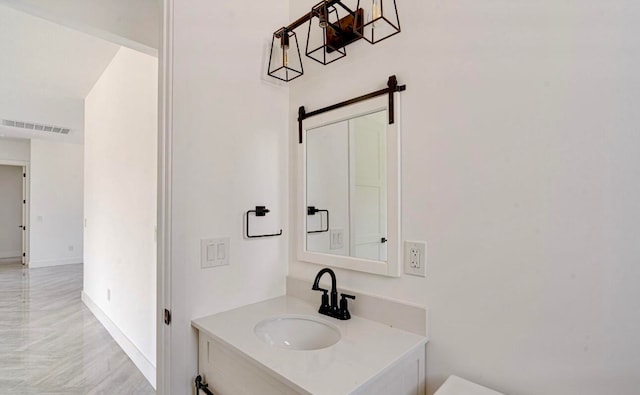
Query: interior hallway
<point x="51" y="343"/>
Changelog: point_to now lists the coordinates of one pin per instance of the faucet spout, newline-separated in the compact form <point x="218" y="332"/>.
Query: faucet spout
<point x="332" y="310"/>
<point x="331" y="307"/>
<point x="316" y="282"/>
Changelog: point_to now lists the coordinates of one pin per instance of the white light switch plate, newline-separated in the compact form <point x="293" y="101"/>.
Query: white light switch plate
<point x="214" y="252"/>
<point x="336" y="240"/>
<point x="415" y="258"/>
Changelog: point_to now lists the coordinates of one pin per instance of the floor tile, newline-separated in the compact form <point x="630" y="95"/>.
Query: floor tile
<point x="50" y="343"/>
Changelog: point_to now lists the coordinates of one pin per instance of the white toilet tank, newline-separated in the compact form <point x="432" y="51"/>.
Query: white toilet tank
<point x="458" y="386"/>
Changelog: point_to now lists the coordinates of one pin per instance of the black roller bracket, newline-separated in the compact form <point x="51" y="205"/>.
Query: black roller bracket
<point x="311" y="210"/>
<point x="302" y="115"/>
<point x="392" y="87"/>
<point x="260" y="211"/>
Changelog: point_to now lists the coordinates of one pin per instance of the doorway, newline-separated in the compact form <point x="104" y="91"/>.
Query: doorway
<point x="93" y="103"/>
<point x="13" y="213"/>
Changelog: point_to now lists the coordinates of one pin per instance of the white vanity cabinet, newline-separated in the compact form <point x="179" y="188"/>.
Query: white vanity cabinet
<point x="229" y="373"/>
<point x="370" y="358"/>
<point x="405" y="377"/>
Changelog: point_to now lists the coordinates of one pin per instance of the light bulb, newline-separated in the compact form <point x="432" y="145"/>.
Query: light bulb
<point x="376" y="11"/>
<point x="285" y="55"/>
<point x="322" y="13"/>
<point x="323" y="22"/>
<point x="284" y="44"/>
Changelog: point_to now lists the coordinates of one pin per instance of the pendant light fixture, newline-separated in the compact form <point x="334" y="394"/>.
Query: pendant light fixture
<point x="381" y="19"/>
<point x="285" y="62"/>
<point x="329" y="33"/>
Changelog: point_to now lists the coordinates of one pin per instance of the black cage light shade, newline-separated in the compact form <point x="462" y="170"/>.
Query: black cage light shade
<point x="324" y="38"/>
<point x="332" y="26"/>
<point x="381" y="19"/>
<point x="285" y="62"/>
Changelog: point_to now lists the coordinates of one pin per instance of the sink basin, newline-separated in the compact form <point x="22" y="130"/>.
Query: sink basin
<point x="297" y="332"/>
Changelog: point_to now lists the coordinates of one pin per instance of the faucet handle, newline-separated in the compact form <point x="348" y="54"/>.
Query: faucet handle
<point x="324" y="304"/>
<point x="344" y="308"/>
<point x="343" y="296"/>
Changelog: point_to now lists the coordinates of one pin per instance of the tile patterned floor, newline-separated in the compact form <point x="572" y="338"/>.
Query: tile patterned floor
<point x="50" y="343"/>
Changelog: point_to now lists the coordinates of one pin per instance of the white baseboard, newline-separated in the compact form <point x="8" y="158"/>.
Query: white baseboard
<point x="147" y="368"/>
<point x="54" y="262"/>
<point x="13" y="261"/>
<point x="10" y="254"/>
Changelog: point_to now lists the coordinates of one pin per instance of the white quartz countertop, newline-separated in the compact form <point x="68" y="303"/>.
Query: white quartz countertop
<point x="365" y="350"/>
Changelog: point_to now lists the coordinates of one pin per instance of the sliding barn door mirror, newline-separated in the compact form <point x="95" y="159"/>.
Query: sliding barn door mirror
<point x="349" y="172"/>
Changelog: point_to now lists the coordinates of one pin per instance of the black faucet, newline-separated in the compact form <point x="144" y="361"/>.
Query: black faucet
<point x="331" y="308"/>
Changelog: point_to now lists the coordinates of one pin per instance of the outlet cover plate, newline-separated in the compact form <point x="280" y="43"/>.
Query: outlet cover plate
<point x="415" y="258"/>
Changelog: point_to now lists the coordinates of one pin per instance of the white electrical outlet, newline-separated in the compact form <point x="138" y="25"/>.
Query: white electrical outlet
<point x="415" y="258"/>
<point x="214" y="252"/>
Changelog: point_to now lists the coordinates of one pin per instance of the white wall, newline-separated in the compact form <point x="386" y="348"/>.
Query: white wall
<point x="14" y="150"/>
<point x="55" y="219"/>
<point x="520" y="162"/>
<point x="229" y="155"/>
<point x="10" y="211"/>
<point x="120" y="202"/>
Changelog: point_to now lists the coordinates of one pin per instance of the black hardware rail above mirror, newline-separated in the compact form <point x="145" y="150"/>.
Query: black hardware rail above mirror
<point x="392" y="87"/>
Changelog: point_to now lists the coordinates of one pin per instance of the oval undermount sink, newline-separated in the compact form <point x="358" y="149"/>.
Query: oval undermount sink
<point x="297" y="332"/>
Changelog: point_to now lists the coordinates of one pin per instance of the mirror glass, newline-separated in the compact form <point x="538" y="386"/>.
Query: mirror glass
<point x="346" y="187"/>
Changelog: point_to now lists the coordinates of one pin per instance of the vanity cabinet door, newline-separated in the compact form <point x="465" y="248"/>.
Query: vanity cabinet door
<point x="405" y="377"/>
<point x="229" y="373"/>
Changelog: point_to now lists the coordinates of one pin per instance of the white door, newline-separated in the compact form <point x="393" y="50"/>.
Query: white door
<point x="368" y="201"/>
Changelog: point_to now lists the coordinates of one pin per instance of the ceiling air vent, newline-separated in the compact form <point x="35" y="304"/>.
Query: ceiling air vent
<point x="35" y="126"/>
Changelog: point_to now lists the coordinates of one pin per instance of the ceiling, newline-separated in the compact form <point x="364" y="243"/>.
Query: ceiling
<point x="46" y="71"/>
<point x="134" y="24"/>
<point x="43" y="58"/>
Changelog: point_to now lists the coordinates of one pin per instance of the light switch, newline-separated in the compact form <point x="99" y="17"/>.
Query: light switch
<point x="211" y="252"/>
<point x="221" y="253"/>
<point x="214" y="252"/>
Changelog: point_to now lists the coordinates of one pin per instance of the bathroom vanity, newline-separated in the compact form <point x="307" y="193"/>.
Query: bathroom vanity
<point x="283" y="346"/>
<point x="348" y="217"/>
